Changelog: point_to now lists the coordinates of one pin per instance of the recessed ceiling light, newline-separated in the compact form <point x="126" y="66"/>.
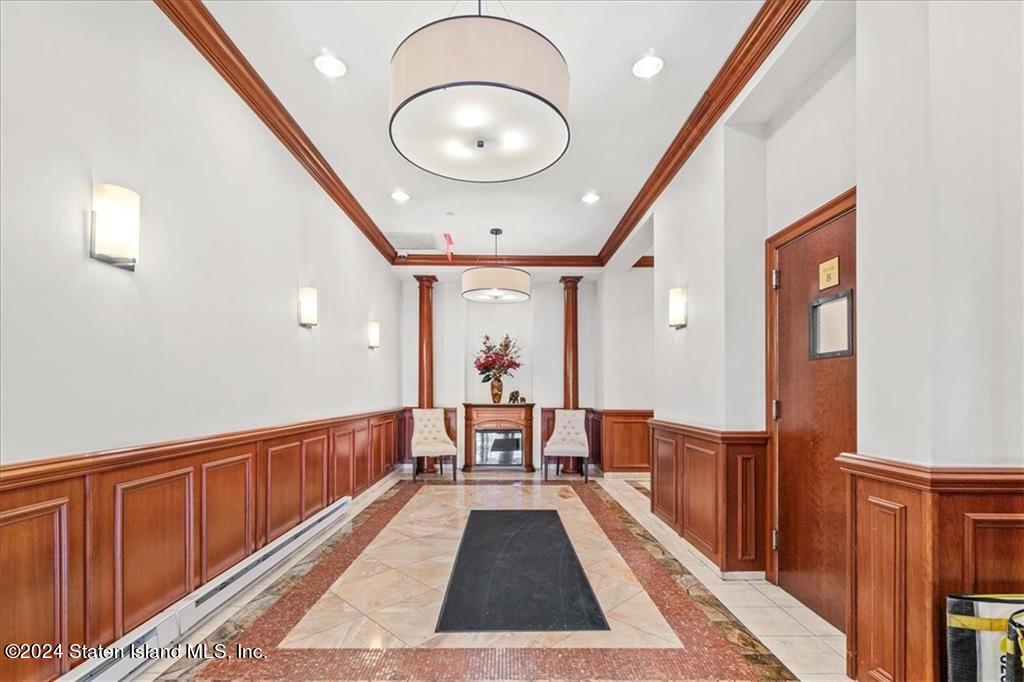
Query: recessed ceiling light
<point x="648" y="67"/>
<point x="590" y="198"/>
<point x="329" y="65"/>
<point x="400" y="196"/>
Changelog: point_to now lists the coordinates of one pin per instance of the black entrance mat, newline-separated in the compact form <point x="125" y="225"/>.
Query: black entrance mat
<point x="517" y="571"/>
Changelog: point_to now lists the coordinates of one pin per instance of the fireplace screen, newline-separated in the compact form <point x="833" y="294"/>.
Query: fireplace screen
<point x="499" y="447"/>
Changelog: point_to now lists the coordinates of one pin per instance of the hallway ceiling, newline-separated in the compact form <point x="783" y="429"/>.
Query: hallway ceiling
<point x="620" y="125"/>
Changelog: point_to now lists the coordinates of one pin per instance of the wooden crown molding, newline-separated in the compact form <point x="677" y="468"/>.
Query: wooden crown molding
<point x="934" y="479"/>
<point x="195" y="21"/>
<point x="467" y="260"/>
<point x="644" y="262"/>
<point x="771" y="23"/>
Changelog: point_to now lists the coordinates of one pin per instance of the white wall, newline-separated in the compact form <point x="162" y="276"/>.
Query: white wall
<point x="203" y="337"/>
<point x="624" y="320"/>
<point x="811" y="153"/>
<point x="742" y="184"/>
<point x="688" y="252"/>
<point x="940" y="192"/>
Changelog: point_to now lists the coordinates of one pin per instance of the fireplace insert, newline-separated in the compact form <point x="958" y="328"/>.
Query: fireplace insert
<point x="499" y="447"/>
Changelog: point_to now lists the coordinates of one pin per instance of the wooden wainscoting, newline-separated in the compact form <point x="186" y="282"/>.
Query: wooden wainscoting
<point x="625" y="440"/>
<point x="710" y="486"/>
<point x="915" y="535"/>
<point x="594" y="426"/>
<point x="93" y="545"/>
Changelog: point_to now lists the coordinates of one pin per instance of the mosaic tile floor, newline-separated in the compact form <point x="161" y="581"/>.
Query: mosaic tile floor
<point x="362" y="604"/>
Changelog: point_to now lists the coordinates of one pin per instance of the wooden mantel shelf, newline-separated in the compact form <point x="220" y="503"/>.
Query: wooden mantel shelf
<point x="499" y="416"/>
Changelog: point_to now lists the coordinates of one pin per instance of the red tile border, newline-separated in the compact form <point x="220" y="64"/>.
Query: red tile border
<point x="706" y="654"/>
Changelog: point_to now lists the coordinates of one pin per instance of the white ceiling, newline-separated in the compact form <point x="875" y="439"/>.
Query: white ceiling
<point x="620" y="124"/>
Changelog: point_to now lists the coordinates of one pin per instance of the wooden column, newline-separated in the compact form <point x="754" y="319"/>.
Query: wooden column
<point x="570" y="356"/>
<point x="426" y="354"/>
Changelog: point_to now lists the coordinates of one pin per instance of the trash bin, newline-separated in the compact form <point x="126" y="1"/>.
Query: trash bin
<point x="976" y="636"/>
<point x="1014" y="650"/>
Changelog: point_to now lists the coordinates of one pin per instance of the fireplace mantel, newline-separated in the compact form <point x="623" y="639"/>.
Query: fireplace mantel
<point x="499" y="416"/>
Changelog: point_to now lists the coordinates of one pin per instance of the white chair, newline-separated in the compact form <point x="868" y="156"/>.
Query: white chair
<point x="569" y="439"/>
<point x="430" y="439"/>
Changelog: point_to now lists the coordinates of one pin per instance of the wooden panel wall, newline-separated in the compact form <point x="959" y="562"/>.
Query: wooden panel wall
<point x="625" y="441"/>
<point x="915" y="535"/>
<point x="710" y="486"/>
<point x="91" y="546"/>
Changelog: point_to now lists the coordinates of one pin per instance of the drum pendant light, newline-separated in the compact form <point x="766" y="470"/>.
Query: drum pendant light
<point x="479" y="98"/>
<point x="496" y="284"/>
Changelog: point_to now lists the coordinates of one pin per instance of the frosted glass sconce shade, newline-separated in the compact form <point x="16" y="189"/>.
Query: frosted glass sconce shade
<point x="308" y="313"/>
<point x="114" y="234"/>
<point x="373" y="335"/>
<point x="677" y="303"/>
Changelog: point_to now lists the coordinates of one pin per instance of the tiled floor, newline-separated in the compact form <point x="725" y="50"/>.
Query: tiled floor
<point x="810" y="647"/>
<point x="389" y="596"/>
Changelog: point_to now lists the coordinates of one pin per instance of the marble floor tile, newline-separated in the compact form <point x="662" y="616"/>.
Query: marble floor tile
<point x="620" y="636"/>
<point x="641" y="613"/>
<point x="611" y="592"/>
<point x="359" y="633"/>
<point x="775" y="593"/>
<point x="400" y="554"/>
<point x="739" y="595"/>
<point x="434" y="573"/>
<point x="411" y="619"/>
<point x="812" y="621"/>
<point x="769" y="620"/>
<point x="378" y="591"/>
<point x="806" y="655"/>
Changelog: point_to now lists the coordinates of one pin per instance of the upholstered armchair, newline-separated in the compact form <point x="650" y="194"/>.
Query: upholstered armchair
<point x="430" y="439"/>
<point x="569" y="439"/>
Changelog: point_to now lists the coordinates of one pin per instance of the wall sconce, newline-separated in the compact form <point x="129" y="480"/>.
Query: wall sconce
<point x="677" y="308"/>
<point x="114" y="229"/>
<point x="373" y="335"/>
<point x="308" y="316"/>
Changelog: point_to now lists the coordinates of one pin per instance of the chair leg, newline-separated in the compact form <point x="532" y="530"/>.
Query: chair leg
<point x="586" y="471"/>
<point x="455" y="468"/>
<point x="440" y="466"/>
<point x="415" y="462"/>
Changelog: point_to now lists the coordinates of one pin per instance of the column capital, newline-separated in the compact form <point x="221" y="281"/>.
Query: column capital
<point x="568" y="281"/>
<point x="426" y="281"/>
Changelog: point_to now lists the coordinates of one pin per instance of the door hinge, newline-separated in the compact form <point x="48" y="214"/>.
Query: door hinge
<point x="775" y="539"/>
<point x="776" y="279"/>
<point x="776" y="409"/>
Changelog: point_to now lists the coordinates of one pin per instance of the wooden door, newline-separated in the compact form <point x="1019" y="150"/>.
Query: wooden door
<point x="815" y="418"/>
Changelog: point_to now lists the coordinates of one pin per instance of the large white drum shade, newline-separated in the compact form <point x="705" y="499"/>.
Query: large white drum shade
<point x="496" y="285"/>
<point x="479" y="99"/>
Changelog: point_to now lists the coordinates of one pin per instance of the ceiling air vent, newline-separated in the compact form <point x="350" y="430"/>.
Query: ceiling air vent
<point x="415" y="242"/>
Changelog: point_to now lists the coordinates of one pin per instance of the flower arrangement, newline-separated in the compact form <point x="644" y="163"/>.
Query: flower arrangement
<point x="495" y="361"/>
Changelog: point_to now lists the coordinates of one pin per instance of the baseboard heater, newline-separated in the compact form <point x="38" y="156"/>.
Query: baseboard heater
<point x="170" y="626"/>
